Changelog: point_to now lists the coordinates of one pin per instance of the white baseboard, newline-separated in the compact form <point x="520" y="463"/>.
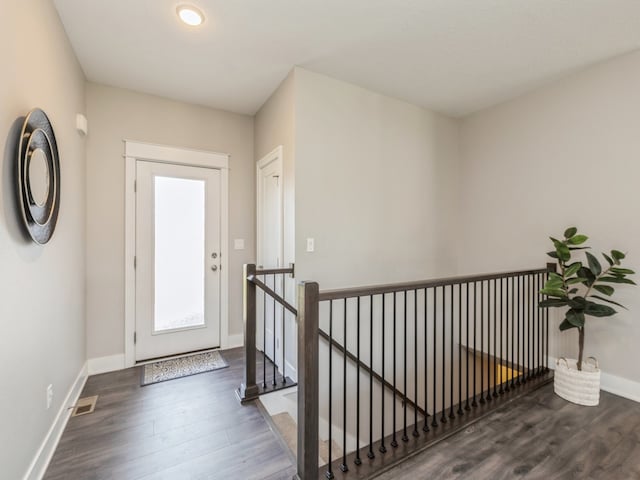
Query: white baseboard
<point x="613" y="384"/>
<point x="106" y="364"/>
<point x="234" y="341"/>
<point x="40" y="462"/>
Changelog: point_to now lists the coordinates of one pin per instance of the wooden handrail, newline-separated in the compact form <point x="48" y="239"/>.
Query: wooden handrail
<point x="272" y="294"/>
<point x="276" y="271"/>
<point x="420" y="284"/>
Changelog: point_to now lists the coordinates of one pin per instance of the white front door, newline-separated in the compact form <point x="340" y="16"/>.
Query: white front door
<point x="178" y="211"/>
<point x="270" y="245"/>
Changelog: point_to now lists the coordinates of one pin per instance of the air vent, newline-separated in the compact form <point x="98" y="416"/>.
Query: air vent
<point x="84" y="406"/>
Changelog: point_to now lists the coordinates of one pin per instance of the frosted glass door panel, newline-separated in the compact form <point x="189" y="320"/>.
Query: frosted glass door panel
<point x="179" y="263"/>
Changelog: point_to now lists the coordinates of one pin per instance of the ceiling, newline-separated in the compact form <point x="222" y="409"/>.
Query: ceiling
<point x="453" y="56"/>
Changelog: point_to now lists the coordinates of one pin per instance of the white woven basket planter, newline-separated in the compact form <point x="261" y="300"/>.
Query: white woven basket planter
<point x="580" y="387"/>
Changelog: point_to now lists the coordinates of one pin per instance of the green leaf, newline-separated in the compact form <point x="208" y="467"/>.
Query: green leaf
<point x="578" y="240"/>
<point x="579" y="248"/>
<point x="594" y="264"/>
<point x="608" y="300"/>
<point x="617" y="280"/>
<point x="622" y="271"/>
<point x="577" y="303"/>
<point x="554" y="292"/>
<point x="575" y="318"/>
<point x="586" y="273"/>
<point x="617" y="254"/>
<point x="572" y="269"/>
<point x="570" y="232"/>
<point x="606" y="289"/>
<point x="552" y="254"/>
<point x="565" y="325"/>
<point x="563" y="252"/>
<point x="598" y="310"/>
<point x="553" y="302"/>
<point x="609" y="259"/>
<point x="573" y="281"/>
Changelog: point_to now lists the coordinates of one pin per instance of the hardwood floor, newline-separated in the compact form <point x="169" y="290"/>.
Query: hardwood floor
<point x="539" y="437"/>
<point x="188" y="428"/>
<point x="194" y="428"/>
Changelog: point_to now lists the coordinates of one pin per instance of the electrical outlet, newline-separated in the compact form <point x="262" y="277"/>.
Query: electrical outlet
<point x="49" y="396"/>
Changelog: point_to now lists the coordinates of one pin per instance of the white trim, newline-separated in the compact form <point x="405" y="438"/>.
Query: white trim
<point x="179" y="156"/>
<point x="613" y="384"/>
<point x="233" y="341"/>
<point x="40" y="462"/>
<point x="274" y="156"/>
<point x="110" y="363"/>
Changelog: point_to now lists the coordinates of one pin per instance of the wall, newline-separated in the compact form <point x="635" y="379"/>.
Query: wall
<point x="115" y="115"/>
<point x="563" y="155"/>
<point x="42" y="339"/>
<point x="375" y="186"/>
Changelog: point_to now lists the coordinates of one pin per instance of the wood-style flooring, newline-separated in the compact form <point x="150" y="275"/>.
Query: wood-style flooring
<point x="194" y="428"/>
<point x="189" y="428"/>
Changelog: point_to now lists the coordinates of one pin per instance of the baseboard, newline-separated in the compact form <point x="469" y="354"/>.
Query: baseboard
<point x="40" y="462"/>
<point x="106" y="364"/>
<point x="234" y="341"/>
<point x="613" y="384"/>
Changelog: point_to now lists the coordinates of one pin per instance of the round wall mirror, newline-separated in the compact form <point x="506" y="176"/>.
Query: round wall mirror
<point x="38" y="177"/>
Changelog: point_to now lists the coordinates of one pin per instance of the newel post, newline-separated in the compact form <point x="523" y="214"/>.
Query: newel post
<point x="308" y="384"/>
<point x="248" y="389"/>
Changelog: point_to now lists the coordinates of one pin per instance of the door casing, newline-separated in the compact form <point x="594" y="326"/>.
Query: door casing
<point x="180" y="156"/>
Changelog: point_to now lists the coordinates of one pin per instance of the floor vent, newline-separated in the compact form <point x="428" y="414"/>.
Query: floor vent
<point x="84" y="406"/>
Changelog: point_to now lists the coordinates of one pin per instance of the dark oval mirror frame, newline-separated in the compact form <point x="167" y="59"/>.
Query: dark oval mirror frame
<point x="37" y="135"/>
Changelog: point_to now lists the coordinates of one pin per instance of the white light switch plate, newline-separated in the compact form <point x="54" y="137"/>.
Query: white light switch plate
<point x="310" y="245"/>
<point x="238" y="244"/>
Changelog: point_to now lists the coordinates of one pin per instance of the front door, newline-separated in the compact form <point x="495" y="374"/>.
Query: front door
<point x="177" y="259"/>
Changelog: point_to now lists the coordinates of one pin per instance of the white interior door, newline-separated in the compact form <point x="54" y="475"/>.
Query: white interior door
<point x="270" y="246"/>
<point x="178" y="211"/>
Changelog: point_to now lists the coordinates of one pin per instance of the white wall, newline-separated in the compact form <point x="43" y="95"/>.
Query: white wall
<point x="115" y="115"/>
<point x="376" y="183"/>
<point x="42" y="328"/>
<point x="563" y="155"/>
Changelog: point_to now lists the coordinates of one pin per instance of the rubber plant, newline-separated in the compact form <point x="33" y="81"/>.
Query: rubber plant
<point x="584" y="289"/>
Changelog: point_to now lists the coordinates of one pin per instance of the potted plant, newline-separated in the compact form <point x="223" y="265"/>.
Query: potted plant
<point x="583" y="290"/>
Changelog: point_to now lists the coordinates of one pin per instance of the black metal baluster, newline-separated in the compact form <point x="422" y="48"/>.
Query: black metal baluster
<point x="495" y="337"/>
<point x="357" y="460"/>
<point x="460" y="411"/>
<point x="475" y="351"/>
<point x="534" y="299"/>
<point x="546" y="332"/>
<point x="264" y="337"/>
<point x="405" y="437"/>
<point x="482" y="342"/>
<point x="509" y="339"/>
<point x="443" y="417"/>
<point x="370" y="454"/>
<point x="520" y="330"/>
<point x="383" y="448"/>
<point x="415" y="363"/>
<point x="273" y="301"/>
<point x="434" y="421"/>
<point x="284" y="334"/>
<point x="466" y="338"/>
<point x="513" y="329"/>
<point x="426" y="370"/>
<point x="529" y="324"/>
<point x="394" y="441"/>
<point x="451" y="379"/>
<point x="539" y="297"/>
<point x="329" y="473"/>
<point x="344" y="466"/>
<point x="502" y="281"/>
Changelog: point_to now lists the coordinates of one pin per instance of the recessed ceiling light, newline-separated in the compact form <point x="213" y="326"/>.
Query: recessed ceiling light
<point x="190" y="15"/>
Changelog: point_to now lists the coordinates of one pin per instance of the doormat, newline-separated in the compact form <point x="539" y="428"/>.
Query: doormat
<point x="173" y="368"/>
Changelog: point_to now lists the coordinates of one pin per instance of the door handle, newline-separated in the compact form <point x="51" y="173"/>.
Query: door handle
<point x="214" y="267"/>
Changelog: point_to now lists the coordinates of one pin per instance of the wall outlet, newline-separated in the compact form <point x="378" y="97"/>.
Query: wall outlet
<point x="238" y="244"/>
<point x="310" y="245"/>
<point x="49" y="396"/>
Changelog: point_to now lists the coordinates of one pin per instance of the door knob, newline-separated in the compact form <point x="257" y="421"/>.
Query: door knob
<point x="214" y="267"/>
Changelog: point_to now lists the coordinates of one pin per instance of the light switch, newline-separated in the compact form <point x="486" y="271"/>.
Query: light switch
<point x="238" y="244"/>
<point x="310" y="245"/>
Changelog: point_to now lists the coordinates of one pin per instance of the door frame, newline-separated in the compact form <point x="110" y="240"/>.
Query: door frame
<point x="274" y="156"/>
<point x="135" y="151"/>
